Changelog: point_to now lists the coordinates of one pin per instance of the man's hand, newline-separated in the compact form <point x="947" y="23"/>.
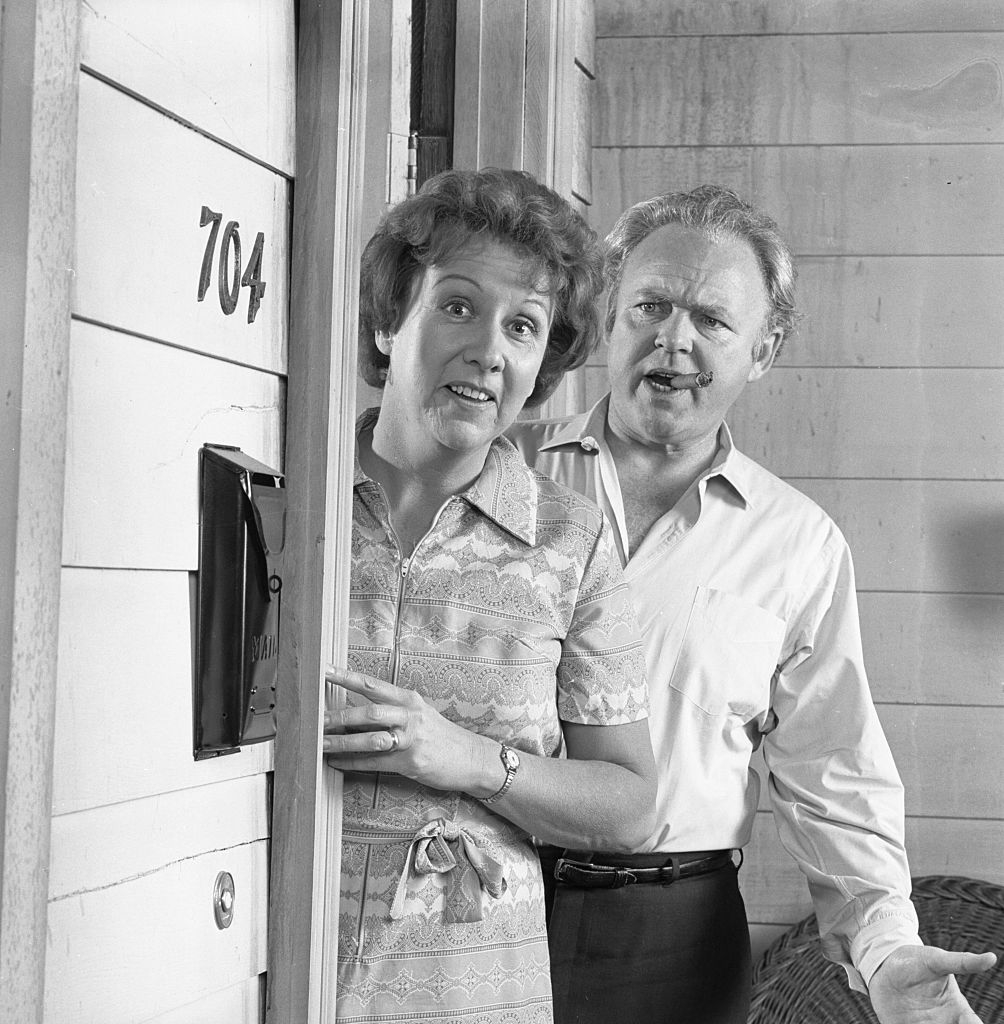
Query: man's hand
<point x="916" y="985"/>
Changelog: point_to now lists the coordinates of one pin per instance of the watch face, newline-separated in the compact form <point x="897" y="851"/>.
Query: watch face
<point x="510" y="759"/>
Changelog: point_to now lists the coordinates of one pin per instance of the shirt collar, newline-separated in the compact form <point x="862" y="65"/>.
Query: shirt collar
<point x="732" y="466"/>
<point x="505" y="491"/>
<point x="587" y="433"/>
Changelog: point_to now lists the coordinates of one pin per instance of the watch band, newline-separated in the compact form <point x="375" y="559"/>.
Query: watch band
<point x="510" y="761"/>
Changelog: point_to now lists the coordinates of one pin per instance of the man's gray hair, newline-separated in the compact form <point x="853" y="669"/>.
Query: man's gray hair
<point x="718" y="212"/>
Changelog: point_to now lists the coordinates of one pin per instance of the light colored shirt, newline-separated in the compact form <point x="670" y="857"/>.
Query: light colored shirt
<point x="746" y="601"/>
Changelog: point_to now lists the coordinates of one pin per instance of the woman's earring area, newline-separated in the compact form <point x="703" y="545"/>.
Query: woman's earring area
<point x="384" y="342"/>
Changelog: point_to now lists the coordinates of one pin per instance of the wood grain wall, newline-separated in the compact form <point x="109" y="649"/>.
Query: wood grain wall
<point x="177" y="110"/>
<point x="873" y="134"/>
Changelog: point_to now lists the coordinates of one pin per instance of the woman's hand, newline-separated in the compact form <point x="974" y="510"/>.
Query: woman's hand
<point x="395" y="730"/>
<point x="602" y="796"/>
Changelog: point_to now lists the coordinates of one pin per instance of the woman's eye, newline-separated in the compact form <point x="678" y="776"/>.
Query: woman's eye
<point x="648" y="308"/>
<point x="457" y="308"/>
<point x="524" y="328"/>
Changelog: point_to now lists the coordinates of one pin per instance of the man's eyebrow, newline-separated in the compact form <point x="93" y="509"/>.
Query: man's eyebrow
<point x="715" y="311"/>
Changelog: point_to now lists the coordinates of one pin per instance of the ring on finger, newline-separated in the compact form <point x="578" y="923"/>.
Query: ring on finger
<point x="395" y="740"/>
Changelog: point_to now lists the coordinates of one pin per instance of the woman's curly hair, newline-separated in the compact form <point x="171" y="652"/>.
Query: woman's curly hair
<point x="510" y="207"/>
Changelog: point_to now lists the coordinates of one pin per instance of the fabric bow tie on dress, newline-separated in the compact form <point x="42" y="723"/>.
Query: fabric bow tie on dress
<point x="442" y="847"/>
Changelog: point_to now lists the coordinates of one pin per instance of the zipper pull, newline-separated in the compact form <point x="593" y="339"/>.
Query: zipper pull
<point x="405" y="562"/>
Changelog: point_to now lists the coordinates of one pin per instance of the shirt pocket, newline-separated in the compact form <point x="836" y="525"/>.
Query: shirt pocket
<point x="729" y="653"/>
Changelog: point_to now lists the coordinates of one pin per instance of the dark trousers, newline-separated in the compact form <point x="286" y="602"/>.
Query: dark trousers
<point x="651" y="954"/>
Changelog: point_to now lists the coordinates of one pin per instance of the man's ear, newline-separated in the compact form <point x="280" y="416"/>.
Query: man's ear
<point x="766" y="352"/>
<point x="384" y="341"/>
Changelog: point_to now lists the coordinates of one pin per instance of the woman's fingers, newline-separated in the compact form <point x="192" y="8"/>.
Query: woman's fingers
<point x="376" y="726"/>
<point x="345" y="744"/>
<point x="366" y="686"/>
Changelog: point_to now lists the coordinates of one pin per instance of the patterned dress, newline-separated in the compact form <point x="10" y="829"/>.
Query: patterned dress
<point x="510" y="614"/>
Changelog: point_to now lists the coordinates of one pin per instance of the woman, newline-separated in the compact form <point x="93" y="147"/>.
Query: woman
<point x="490" y="631"/>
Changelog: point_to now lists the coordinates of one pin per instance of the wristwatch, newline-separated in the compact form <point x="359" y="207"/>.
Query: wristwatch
<point x="510" y="761"/>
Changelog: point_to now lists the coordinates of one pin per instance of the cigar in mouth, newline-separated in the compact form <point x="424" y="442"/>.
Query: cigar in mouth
<point x="683" y="381"/>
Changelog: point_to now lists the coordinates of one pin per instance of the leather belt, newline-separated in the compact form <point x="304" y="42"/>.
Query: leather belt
<point x="590" y="875"/>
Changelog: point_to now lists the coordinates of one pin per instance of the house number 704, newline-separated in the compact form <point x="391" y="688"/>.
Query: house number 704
<point x="229" y="284"/>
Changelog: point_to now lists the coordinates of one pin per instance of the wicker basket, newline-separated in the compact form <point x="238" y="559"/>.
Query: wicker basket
<point x="793" y="984"/>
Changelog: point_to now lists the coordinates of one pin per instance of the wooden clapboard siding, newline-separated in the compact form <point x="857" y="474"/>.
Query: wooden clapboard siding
<point x="906" y="311"/>
<point x="873" y="134"/>
<point x="802" y="90"/>
<point x="150" y="943"/>
<point x="934" y="648"/>
<point x="912" y="535"/>
<point x="240" y="1003"/>
<point x="939" y="751"/>
<point x="180" y="108"/>
<point x="904" y="423"/>
<point x="947" y="197"/>
<point x="124" y="718"/>
<point x="139" y="412"/>
<point x="657" y="17"/>
<point x="224" y="72"/>
<point x="153" y="832"/>
<point x="139" y="213"/>
<point x="776" y="891"/>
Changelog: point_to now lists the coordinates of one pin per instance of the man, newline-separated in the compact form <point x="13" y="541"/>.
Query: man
<point x="744" y="590"/>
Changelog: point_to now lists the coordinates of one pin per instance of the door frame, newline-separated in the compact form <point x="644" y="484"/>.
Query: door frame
<point x="39" y="67"/>
<point x="326" y="245"/>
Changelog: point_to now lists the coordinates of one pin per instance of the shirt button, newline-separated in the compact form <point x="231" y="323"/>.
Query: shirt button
<point x="589" y="444"/>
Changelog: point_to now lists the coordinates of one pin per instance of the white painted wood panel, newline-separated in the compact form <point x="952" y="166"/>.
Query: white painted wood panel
<point x="583" y="13"/>
<point x="578" y="122"/>
<point x="798" y="90"/>
<point x="127" y="953"/>
<point x="138" y="414"/>
<point x="949" y="759"/>
<point x="490" y="84"/>
<point x="872" y="422"/>
<point x="104" y="846"/>
<point x="227" y="66"/>
<point x="686" y="17"/>
<point x="910" y="535"/>
<point x="239" y="1004"/>
<point x="860" y="200"/>
<point x="908" y="311"/>
<point x="142" y="181"/>
<point x="124" y="715"/>
<point x="775" y="890"/>
<point x="934" y="648"/>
